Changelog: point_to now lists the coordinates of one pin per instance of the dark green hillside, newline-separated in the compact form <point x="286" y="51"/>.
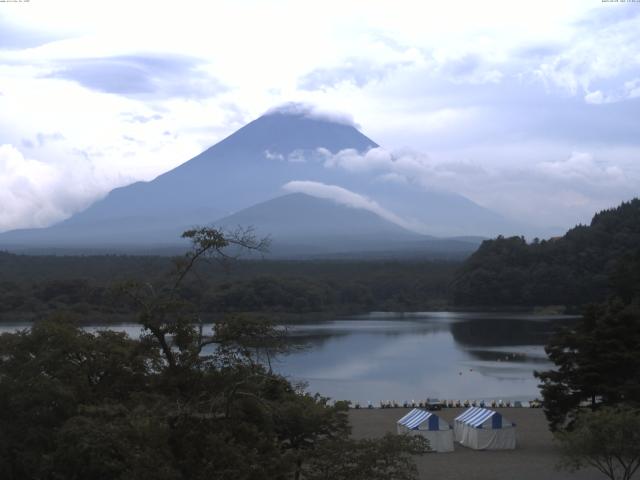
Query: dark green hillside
<point x="575" y="269"/>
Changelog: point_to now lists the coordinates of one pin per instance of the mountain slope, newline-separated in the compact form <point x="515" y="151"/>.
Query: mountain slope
<point x="300" y="225"/>
<point x="307" y="225"/>
<point x="247" y="168"/>
<point x="300" y="216"/>
<point x="233" y="174"/>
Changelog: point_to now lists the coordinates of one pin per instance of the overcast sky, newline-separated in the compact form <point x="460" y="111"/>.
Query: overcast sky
<point x="531" y="108"/>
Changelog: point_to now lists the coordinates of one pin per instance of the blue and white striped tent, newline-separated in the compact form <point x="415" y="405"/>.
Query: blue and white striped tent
<point x="429" y="425"/>
<point x="484" y="429"/>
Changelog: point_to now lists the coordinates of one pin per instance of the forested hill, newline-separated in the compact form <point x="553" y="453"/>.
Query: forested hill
<point x="575" y="269"/>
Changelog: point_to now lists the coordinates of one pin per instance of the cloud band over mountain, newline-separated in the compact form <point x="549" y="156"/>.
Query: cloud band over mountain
<point x="351" y="199"/>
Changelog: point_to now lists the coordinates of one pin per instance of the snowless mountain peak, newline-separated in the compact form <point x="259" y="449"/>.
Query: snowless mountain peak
<point x="249" y="169"/>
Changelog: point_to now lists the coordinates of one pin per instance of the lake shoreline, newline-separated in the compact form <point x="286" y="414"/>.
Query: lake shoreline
<point x="289" y="318"/>
<point x="405" y="357"/>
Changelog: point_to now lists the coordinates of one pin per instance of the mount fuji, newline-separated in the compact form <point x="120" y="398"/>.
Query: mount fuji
<point x="274" y="174"/>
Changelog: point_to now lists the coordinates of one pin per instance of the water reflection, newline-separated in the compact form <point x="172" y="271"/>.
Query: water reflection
<point x="393" y="356"/>
<point x="385" y="356"/>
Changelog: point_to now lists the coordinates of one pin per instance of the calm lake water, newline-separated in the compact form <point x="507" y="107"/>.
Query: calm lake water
<point x="405" y="357"/>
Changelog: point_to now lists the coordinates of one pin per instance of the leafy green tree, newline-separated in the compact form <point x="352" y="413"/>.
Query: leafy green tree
<point x="182" y="402"/>
<point x="607" y="439"/>
<point x="112" y="441"/>
<point x="572" y="270"/>
<point x="47" y="374"/>
<point x="382" y="459"/>
<point x="597" y="362"/>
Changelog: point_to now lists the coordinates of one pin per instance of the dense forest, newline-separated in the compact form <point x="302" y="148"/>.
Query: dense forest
<point x="103" y="406"/>
<point x="91" y="286"/>
<point x="579" y="268"/>
<point x="597" y="360"/>
<point x="572" y="270"/>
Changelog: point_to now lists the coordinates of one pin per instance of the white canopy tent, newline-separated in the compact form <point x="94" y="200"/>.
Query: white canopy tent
<point x="484" y="429"/>
<point x="430" y="426"/>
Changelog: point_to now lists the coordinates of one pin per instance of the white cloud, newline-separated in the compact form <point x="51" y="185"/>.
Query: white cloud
<point x="351" y="199"/>
<point x="392" y="177"/>
<point x="632" y="88"/>
<point x="354" y="71"/>
<point x="581" y="167"/>
<point x="273" y="155"/>
<point x="466" y="82"/>
<point x="33" y="193"/>
<point x="354" y="161"/>
<point x="549" y="190"/>
<point x="597" y="51"/>
<point x="404" y="165"/>
<point x="595" y="97"/>
<point x="469" y="68"/>
<point x="297" y="156"/>
<point x="309" y="110"/>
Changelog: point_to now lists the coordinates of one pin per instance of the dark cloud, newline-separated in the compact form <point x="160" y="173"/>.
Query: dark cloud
<point x="355" y="71"/>
<point x="142" y="75"/>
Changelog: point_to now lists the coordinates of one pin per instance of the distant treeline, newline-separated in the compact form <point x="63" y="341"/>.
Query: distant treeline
<point x="584" y="266"/>
<point x="33" y="286"/>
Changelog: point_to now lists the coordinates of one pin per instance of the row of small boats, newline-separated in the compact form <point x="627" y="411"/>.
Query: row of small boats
<point x="435" y="404"/>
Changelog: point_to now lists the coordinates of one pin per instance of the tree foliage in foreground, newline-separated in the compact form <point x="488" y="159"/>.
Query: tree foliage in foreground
<point x="597" y="363"/>
<point x="607" y="439"/>
<point x="179" y="403"/>
<point x="348" y="459"/>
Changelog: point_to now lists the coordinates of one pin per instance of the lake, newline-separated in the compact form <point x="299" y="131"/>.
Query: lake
<point x="412" y="356"/>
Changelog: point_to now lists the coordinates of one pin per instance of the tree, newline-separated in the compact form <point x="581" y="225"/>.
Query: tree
<point x="607" y="439"/>
<point x="176" y="404"/>
<point x="571" y="270"/>
<point x="165" y="313"/>
<point x="597" y="361"/>
<point x="47" y="374"/>
<point x="382" y="459"/>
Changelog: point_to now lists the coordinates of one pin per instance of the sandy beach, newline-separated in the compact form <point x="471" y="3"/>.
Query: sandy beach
<point x="535" y="457"/>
